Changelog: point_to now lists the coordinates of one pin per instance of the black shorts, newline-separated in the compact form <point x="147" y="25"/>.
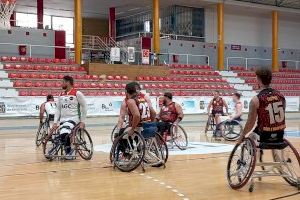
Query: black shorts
<point x="238" y="119"/>
<point x="269" y="137"/>
<point x="164" y="127"/>
<point x="214" y="113"/>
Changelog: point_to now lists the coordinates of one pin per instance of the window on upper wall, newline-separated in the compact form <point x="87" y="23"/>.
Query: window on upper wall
<point x="30" y="20"/>
<point x="66" y="24"/>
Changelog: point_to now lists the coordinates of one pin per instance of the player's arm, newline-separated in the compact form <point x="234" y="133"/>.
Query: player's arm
<point x="152" y="111"/>
<point x="83" y="107"/>
<point x="56" y="115"/>
<point x="225" y="105"/>
<point x="148" y="101"/>
<point x="158" y="116"/>
<point x="134" y="110"/>
<point x="238" y="111"/>
<point x="179" y="113"/>
<point x="252" y="115"/>
<point x="209" y="106"/>
<point x="42" y="111"/>
<point x="122" y="115"/>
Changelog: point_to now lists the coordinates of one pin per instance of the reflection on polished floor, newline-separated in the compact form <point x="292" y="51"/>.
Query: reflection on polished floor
<point x="25" y="174"/>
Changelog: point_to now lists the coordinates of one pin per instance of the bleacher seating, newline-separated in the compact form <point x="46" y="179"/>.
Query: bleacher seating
<point x="286" y="80"/>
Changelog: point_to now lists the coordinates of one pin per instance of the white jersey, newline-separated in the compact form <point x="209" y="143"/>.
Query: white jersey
<point x="50" y="108"/>
<point x="71" y="106"/>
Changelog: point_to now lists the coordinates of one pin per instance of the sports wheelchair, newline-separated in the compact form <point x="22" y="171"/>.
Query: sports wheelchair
<point x="243" y="166"/>
<point x="175" y="135"/>
<point x="210" y="124"/>
<point x="42" y="133"/>
<point x="140" y="149"/>
<point x="115" y="129"/>
<point x="56" y="145"/>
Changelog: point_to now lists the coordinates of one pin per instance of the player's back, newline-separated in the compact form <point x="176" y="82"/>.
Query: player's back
<point x="271" y="111"/>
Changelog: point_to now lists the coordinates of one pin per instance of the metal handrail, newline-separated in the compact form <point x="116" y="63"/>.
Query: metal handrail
<point x="264" y="59"/>
<point x="37" y="45"/>
<point x="174" y="36"/>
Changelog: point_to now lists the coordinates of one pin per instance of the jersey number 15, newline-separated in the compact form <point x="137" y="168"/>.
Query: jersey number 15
<point x="276" y="112"/>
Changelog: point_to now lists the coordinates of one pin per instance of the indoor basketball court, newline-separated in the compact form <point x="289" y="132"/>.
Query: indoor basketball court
<point x="149" y="99"/>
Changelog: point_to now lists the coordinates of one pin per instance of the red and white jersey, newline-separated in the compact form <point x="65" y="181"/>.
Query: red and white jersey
<point x="69" y="106"/>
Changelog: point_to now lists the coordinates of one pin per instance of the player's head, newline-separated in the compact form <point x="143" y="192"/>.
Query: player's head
<point x="236" y="97"/>
<point x="68" y="82"/>
<point x="264" y="76"/>
<point x="167" y="98"/>
<point x="131" y="89"/>
<point x="50" y="97"/>
<point x="216" y="94"/>
<point x="138" y="86"/>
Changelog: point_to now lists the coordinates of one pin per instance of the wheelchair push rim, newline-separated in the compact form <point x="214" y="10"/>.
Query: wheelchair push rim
<point x="290" y="169"/>
<point x="41" y="134"/>
<point x="128" y="152"/>
<point x="241" y="164"/>
<point x="84" y="144"/>
<point x="179" y="137"/>
<point x="112" y="136"/>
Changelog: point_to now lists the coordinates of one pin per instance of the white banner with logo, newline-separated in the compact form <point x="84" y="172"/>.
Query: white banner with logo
<point x="131" y="54"/>
<point x="115" y="54"/>
<point x="145" y="56"/>
<point x="110" y="106"/>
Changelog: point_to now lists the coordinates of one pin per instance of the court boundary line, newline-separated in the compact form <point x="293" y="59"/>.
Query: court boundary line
<point x="286" y="196"/>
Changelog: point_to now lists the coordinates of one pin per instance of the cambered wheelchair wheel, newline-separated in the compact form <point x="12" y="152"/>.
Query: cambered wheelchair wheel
<point x="179" y="137"/>
<point x="41" y="134"/>
<point x="241" y="164"/>
<point x="232" y="130"/>
<point x="84" y="144"/>
<point x="157" y="152"/>
<point x="52" y="147"/>
<point x="210" y="124"/>
<point x="112" y="136"/>
<point x="128" y="152"/>
<point x="290" y="159"/>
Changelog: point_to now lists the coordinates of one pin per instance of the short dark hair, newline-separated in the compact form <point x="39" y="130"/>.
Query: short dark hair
<point x="168" y="95"/>
<point x="49" y="96"/>
<point x="217" y="91"/>
<point x="69" y="79"/>
<point x="137" y="85"/>
<point x="131" y="88"/>
<point x="238" y="95"/>
<point x="265" y="75"/>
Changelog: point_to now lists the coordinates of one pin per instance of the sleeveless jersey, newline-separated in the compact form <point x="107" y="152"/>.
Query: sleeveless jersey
<point x="50" y="108"/>
<point x="143" y="107"/>
<point x="168" y="113"/>
<point x="271" y="111"/>
<point x="217" y="105"/>
<point x="70" y="108"/>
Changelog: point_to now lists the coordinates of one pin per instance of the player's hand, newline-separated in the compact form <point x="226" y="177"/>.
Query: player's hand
<point x="81" y="125"/>
<point x="54" y="127"/>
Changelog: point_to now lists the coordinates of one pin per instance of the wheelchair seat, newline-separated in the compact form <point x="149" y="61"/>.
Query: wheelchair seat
<point x="149" y="129"/>
<point x="272" y="140"/>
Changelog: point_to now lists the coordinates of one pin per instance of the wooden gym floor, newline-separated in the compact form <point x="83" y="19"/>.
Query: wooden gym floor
<point x="25" y="174"/>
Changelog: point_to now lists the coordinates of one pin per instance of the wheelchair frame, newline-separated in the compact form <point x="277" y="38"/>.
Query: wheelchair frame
<point x="173" y="139"/>
<point x="142" y="150"/>
<point x="77" y="140"/>
<point x="42" y="133"/>
<point x="228" y="132"/>
<point x="246" y="171"/>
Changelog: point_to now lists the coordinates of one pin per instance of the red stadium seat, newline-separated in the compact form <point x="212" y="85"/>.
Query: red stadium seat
<point x="13" y="75"/>
<point x="118" y="78"/>
<point x="72" y="68"/>
<point x="52" y="76"/>
<point x="28" y="84"/>
<point x="79" y="76"/>
<point x="56" y="60"/>
<point x="23" y="59"/>
<point x="23" y="93"/>
<point x="146" y="78"/>
<point x="85" y="85"/>
<point x="60" y="76"/>
<point x="44" y="76"/>
<point x="22" y="75"/>
<point x="8" y="66"/>
<point x="4" y="58"/>
<point x="49" y="84"/>
<point x="78" y="85"/>
<point x="94" y="77"/>
<point x="110" y="78"/>
<point x="37" y="67"/>
<point x="94" y="85"/>
<point x="34" y="93"/>
<point x="39" y="84"/>
<point x="58" y="84"/>
<point x="33" y="76"/>
<point x="14" y="59"/>
<point x="81" y="69"/>
<point x="139" y="78"/>
<point x="18" y="67"/>
<point x="107" y="93"/>
<point x="65" y="68"/>
<point x="18" y="84"/>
